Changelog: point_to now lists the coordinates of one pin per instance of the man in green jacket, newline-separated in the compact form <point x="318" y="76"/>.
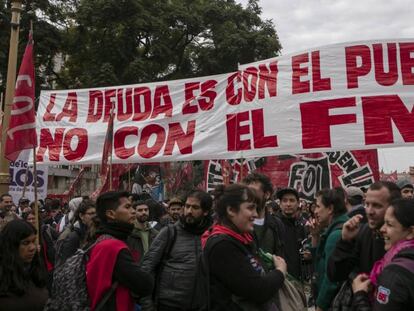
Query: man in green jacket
<point x="142" y="236"/>
<point x="330" y="215"/>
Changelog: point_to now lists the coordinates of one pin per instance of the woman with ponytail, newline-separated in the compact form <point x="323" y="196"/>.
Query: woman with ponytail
<point x="236" y="276"/>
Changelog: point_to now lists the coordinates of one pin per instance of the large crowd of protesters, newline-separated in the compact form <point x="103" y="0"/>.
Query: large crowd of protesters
<point x="241" y="247"/>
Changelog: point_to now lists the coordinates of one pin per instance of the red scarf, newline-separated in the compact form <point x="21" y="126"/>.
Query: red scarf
<point x="99" y="270"/>
<point x="245" y="238"/>
<point x="49" y="264"/>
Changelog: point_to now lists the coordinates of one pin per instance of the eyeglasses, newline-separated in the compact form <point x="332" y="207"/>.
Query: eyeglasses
<point x="91" y="213"/>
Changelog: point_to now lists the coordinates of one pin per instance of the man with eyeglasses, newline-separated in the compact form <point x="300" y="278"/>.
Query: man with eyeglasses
<point x="74" y="236"/>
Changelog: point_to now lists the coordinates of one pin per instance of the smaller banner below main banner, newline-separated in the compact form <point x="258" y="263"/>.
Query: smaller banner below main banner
<point x="307" y="173"/>
<point x="347" y="96"/>
<point x="18" y="170"/>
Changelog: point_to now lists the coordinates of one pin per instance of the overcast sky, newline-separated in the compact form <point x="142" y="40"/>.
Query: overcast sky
<point x="303" y="24"/>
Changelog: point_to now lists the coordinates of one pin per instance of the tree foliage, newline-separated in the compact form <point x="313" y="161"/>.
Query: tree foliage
<point x="48" y="37"/>
<point x="130" y="41"/>
<point x="90" y="43"/>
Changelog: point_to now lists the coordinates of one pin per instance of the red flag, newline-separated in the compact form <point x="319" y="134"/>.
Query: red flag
<point x="21" y="133"/>
<point x="117" y="171"/>
<point x="75" y="184"/>
<point x="107" y="148"/>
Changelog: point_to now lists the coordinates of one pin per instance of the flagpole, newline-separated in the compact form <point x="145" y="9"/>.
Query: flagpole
<point x="36" y="204"/>
<point x="16" y="9"/>
<point x="110" y="170"/>
<point x="129" y="181"/>
<point x="110" y="150"/>
<point x="25" y="181"/>
<point x="241" y="169"/>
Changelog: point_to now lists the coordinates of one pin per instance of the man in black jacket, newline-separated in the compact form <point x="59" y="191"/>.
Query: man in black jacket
<point x="295" y="230"/>
<point x="110" y="259"/>
<point x="362" y="245"/>
<point x="74" y="235"/>
<point x="268" y="230"/>
<point x="174" y="259"/>
<point x="355" y="202"/>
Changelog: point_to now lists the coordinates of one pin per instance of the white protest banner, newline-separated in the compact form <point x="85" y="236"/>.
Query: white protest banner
<point x="18" y="171"/>
<point x="357" y="95"/>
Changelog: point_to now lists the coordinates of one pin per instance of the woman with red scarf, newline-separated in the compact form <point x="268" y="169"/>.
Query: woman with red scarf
<point x="390" y="285"/>
<point x="236" y="276"/>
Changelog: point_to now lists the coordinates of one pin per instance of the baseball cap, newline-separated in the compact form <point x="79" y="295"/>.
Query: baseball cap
<point x="404" y="183"/>
<point x="175" y="200"/>
<point x="353" y="191"/>
<point x="284" y="191"/>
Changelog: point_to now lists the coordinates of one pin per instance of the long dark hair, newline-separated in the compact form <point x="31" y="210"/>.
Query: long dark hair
<point x="404" y="211"/>
<point x="14" y="275"/>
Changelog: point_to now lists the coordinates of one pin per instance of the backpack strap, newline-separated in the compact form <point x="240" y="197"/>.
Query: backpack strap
<point x="171" y="238"/>
<point x="206" y="264"/>
<point x="106" y="297"/>
<point x="101" y="238"/>
<point x="405" y="262"/>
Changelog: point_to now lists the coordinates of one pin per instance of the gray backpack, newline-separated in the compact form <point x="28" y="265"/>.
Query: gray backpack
<point x="69" y="289"/>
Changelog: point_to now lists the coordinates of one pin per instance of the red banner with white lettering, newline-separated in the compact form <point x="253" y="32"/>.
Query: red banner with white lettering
<point x="21" y="133"/>
<point x="347" y="96"/>
<point x="308" y="173"/>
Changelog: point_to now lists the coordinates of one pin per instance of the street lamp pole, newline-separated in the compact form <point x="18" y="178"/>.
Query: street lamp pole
<point x="16" y="9"/>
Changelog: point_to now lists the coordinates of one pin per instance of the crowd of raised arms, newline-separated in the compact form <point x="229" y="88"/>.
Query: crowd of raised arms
<point x="241" y="247"/>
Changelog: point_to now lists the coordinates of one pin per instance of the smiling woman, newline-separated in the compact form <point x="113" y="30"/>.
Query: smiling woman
<point x="237" y="278"/>
<point x="22" y="278"/>
<point x="392" y="277"/>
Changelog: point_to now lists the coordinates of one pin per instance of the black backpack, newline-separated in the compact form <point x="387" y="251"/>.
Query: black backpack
<point x="69" y="290"/>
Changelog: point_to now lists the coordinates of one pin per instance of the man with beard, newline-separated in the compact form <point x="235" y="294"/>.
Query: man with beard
<point x="6" y="215"/>
<point x="174" y="211"/>
<point x="362" y="245"/>
<point x="268" y="230"/>
<point x="174" y="258"/>
<point x="142" y="236"/>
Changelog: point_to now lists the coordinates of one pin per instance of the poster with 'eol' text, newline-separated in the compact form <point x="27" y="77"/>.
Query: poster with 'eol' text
<point x="347" y="96"/>
<point x="307" y="173"/>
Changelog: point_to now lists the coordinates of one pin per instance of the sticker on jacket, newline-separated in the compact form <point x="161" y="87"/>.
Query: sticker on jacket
<point x="383" y="295"/>
<point x="255" y="264"/>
